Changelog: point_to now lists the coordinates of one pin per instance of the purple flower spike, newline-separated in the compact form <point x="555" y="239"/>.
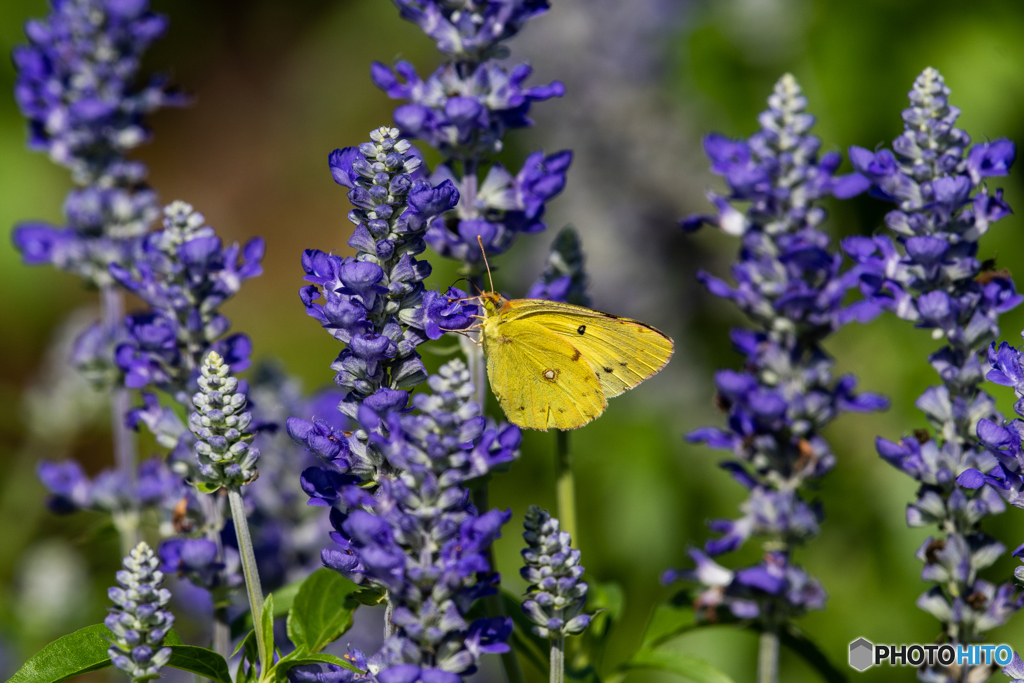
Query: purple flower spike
<point x="139" y="620"/>
<point x="395" y="209"/>
<point x="379" y="537"/>
<point x="471" y="33"/>
<point x="555" y="599"/>
<point x="185" y="274"/>
<point x="792" y="285"/>
<point x="464" y="109"/>
<point x="86" y="109"/>
<point x="929" y="273"/>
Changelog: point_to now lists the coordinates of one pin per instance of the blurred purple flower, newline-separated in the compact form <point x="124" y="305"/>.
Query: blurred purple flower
<point x="77" y="84"/>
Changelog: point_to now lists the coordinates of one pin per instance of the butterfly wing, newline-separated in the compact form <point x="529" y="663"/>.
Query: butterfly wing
<point x="622" y="352"/>
<point x="540" y="380"/>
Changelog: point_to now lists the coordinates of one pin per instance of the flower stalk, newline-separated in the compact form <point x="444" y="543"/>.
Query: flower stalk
<point x="768" y="657"/>
<point x="565" y="487"/>
<point x="252" y="575"/>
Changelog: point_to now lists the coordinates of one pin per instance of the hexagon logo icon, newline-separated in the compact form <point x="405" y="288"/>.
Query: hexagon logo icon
<point x="861" y="654"/>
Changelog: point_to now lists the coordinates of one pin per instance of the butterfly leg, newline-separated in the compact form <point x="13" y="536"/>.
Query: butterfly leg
<point x="464" y="334"/>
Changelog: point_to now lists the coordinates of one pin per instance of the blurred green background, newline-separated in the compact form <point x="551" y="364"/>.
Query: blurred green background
<point x="279" y="85"/>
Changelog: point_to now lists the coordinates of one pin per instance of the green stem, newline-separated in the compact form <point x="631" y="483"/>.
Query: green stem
<point x="557" y="660"/>
<point x="252" y="576"/>
<point x="126" y="522"/>
<point x="565" y="487"/>
<point x="565" y="494"/>
<point x="768" y="658"/>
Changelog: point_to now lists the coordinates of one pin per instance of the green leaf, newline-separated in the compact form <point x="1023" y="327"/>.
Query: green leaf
<point x="76" y="653"/>
<point x="321" y="611"/>
<point x="689" y="667"/>
<point x="676" y="617"/>
<point x="267" y="628"/>
<point x="203" y="487"/>
<point x="85" y="650"/>
<point x="667" y="622"/>
<point x="199" y="660"/>
<point x="249" y="640"/>
<point x="796" y="641"/>
<point x="369" y="596"/>
<point x="587" y="674"/>
<point x="283" y="599"/>
<point x="606" y="601"/>
<point x="524" y="640"/>
<point x="324" y="658"/>
<point x="250" y="655"/>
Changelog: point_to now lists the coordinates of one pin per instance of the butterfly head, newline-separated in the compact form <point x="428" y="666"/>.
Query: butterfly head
<point x="492" y="302"/>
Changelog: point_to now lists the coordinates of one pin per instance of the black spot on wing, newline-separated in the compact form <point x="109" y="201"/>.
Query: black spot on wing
<point x="607" y="369"/>
<point x="581" y="329"/>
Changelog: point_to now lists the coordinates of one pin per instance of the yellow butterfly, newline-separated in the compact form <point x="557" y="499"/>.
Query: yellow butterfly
<point x="552" y="364"/>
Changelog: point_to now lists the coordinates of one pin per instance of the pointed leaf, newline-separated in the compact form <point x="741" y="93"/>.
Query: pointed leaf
<point x="369" y="596"/>
<point x="668" y="621"/>
<point x="322" y="610"/>
<point x="201" y="661"/>
<point x="250" y="655"/>
<point x="676" y="617"/>
<point x="606" y="602"/>
<point x="688" y="666"/>
<point x="267" y="630"/>
<point x="322" y="658"/>
<point x="85" y="650"/>
<point x="76" y="653"/>
<point x="247" y="642"/>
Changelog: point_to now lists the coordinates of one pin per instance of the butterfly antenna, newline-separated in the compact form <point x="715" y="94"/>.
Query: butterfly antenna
<point x="483" y="251"/>
<point x="468" y="282"/>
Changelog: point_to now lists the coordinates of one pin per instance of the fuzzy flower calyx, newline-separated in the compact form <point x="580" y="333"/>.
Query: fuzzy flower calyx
<point x="219" y="422"/>
<point x="139" y="619"/>
<point x="557" y="594"/>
